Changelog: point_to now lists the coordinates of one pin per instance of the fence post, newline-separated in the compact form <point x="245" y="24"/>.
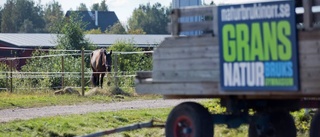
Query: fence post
<point x="62" y="70"/>
<point x="11" y="86"/>
<point x="82" y="72"/>
<point x="116" y="70"/>
<point x="7" y="76"/>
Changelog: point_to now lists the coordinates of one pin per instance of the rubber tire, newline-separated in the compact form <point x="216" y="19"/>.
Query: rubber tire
<point x="282" y="122"/>
<point x="199" y="120"/>
<point x="315" y="125"/>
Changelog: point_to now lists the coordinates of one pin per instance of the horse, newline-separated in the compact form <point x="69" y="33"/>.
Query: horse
<point x="101" y="62"/>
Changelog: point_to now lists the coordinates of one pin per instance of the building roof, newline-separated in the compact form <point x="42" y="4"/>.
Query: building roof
<point x="97" y="19"/>
<point x="44" y="40"/>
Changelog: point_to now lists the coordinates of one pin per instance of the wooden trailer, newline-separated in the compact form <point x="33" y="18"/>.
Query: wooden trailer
<point x="260" y="56"/>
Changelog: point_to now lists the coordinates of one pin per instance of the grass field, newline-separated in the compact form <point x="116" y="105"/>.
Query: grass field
<point x="72" y="125"/>
<point x="36" y="99"/>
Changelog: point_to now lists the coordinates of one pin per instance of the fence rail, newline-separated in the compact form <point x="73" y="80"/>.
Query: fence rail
<point x="10" y="76"/>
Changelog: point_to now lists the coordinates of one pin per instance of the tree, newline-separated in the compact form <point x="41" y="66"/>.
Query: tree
<point x="103" y="6"/>
<point x="8" y="17"/>
<point x="15" y="12"/>
<point x="151" y="19"/>
<point x="53" y="16"/>
<point x="0" y="17"/>
<point x="130" y="62"/>
<point x="95" y="6"/>
<point x="94" y="31"/>
<point x="82" y="7"/>
<point x="27" y="26"/>
<point x="117" y="28"/>
<point x="73" y="37"/>
<point x="136" y="31"/>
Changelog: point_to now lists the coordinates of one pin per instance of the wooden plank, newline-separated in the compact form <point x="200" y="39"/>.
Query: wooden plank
<point x="310" y="57"/>
<point x="309" y="63"/>
<point x="190" y="26"/>
<point x="144" y="74"/>
<point x="307" y="15"/>
<point x="215" y="21"/>
<point x="190" y="41"/>
<point x="316" y="16"/>
<point x="307" y="74"/>
<point x="308" y="35"/>
<point x="309" y="47"/>
<point x="211" y="89"/>
<point x="191" y="88"/>
<point x="186" y="75"/>
<point x="196" y="11"/>
<point x="186" y="64"/>
<point x="175" y="23"/>
<point x="182" y="52"/>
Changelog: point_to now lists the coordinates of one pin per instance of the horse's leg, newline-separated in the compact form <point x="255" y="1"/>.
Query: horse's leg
<point x="93" y="80"/>
<point x="102" y="76"/>
<point x="96" y="80"/>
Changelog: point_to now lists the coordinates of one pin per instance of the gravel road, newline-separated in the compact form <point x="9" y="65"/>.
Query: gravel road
<point x="7" y="115"/>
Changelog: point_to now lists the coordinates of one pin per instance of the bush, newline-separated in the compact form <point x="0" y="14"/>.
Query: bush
<point x="52" y="64"/>
<point x="3" y="76"/>
<point x="128" y="64"/>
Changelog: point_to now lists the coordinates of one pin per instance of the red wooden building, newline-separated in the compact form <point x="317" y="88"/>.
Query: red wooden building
<point x="23" y="44"/>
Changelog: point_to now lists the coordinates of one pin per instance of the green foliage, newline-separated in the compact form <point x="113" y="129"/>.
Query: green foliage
<point x="102" y="7"/>
<point x="73" y="37"/>
<point x="77" y="125"/>
<point x="51" y="64"/>
<point x="129" y="62"/>
<point x="303" y="119"/>
<point x="136" y="31"/>
<point x="22" y="16"/>
<point x="53" y="16"/>
<point x="3" y="75"/>
<point x="94" y="31"/>
<point x="82" y="7"/>
<point x="116" y="29"/>
<point x="151" y="19"/>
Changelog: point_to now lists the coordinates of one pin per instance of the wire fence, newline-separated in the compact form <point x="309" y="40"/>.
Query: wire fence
<point x="79" y="76"/>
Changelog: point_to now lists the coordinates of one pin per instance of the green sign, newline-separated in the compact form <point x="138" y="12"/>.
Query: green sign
<point x="258" y="46"/>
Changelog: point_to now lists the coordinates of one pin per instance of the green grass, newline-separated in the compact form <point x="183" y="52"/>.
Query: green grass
<point x="83" y="124"/>
<point x="38" y="99"/>
<point x="92" y="122"/>
<point x="72" y="125"/>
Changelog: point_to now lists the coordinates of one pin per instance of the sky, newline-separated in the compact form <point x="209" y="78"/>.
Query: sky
<point x="122" y="8"/>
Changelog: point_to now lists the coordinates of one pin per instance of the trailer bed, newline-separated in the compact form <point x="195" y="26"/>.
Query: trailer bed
<point x="188" y="66"/>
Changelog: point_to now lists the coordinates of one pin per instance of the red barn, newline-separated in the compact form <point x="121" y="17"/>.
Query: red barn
<point x="23" y="44"/>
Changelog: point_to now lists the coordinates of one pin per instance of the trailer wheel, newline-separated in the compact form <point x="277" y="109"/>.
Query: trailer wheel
<point x="189" y="119"/>
<point x="277" y="124"/>
<point x="315" y="125"/>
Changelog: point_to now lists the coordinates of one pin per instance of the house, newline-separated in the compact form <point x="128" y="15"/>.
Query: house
<point x="23" y="44"/>
<point x="96" y="19"/>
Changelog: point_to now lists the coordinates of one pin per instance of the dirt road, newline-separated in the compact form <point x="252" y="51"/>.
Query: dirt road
<point x="29" y="113"/>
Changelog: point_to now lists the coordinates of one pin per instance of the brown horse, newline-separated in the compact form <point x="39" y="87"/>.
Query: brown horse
<point x="101" y="62"/>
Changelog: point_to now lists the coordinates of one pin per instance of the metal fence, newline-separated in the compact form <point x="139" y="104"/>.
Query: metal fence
<point x="10" y="77"/>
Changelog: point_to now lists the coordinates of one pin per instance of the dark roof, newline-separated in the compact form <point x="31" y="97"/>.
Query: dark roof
<point x="104" y="19"/>
<point x="32" y="40"/>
